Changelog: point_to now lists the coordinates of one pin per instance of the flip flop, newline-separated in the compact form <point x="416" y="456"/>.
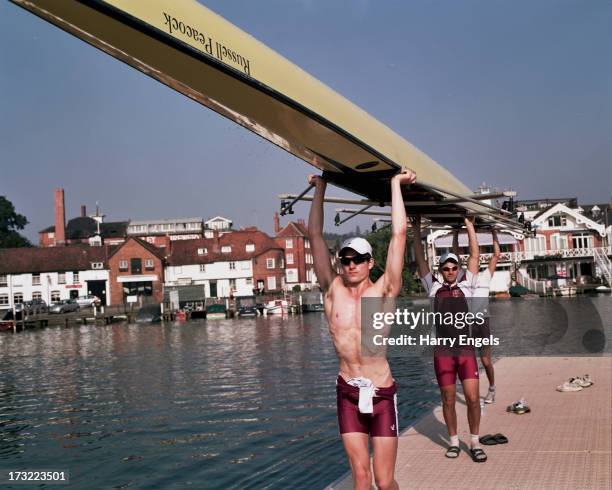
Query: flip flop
<point x="488" y="440"/>
<point x="500" y="438"/>
<point x="452" y="452"/>
<point x="478" y="455"/>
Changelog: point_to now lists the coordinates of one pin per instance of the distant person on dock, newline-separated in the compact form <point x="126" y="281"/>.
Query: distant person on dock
<point x="366" y="391"/>
<point x="482" y="290"/>
<point x="452" y="296"/>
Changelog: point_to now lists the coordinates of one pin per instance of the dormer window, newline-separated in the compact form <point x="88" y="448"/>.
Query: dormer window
<point x="250" y="247"/>
<point x="97" y="265"/>
<point x="202" y="251"/>
<point x="226" y="249"/>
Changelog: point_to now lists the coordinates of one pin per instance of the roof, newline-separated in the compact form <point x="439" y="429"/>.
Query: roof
<point x="293" y="228"/>
<point x="580" y="219"/>
<point x="158" y="252"/>
<point x="185" y="252"/>
<point x="166" y="221"/>
<point x="86" y="227"/>
<point x="50" y="259"/>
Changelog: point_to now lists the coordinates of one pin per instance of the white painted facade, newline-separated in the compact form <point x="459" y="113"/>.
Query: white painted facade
<point x="49" y="286"/>
<point x="235" y="277"/>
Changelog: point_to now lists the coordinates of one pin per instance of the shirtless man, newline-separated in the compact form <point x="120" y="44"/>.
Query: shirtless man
<point x="365" y="388"/>
<point x="448" y="363"/>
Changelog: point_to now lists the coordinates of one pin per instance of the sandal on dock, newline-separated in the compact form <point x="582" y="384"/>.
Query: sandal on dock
<point x="500" y="438"/>
<point x="492" y="440"/>
<point x="452" y="452"/>
<point x="478" y="455"/>
<point x="518" y="407"/>
<point x="488" y="440"/>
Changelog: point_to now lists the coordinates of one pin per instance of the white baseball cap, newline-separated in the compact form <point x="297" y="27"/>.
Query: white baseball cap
<point x="358" y="244"/>
<point x="449" y="256"/>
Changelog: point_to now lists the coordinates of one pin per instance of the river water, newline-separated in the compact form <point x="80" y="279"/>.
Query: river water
<point x="203" y="404"/>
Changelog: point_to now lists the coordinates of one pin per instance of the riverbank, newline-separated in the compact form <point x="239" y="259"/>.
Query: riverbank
<point x="565" y="442"/>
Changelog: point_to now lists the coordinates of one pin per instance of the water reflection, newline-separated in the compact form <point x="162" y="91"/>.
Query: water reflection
<point x="219" y="404"/>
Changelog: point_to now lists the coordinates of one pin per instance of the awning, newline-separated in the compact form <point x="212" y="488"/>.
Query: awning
<point x="139" y="278"/>
<point x="483" y="239"/>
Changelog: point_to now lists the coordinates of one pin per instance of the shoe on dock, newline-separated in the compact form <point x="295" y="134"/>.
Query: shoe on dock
<point x="519" y="407"/>
<point x="490" y="397"/>
<point x="570" y="386"/>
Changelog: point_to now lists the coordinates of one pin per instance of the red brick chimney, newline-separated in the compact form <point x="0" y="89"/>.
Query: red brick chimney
<point x="277" y="227"/>
<point x="60" y="218"/>
<point x="83" y="211"/>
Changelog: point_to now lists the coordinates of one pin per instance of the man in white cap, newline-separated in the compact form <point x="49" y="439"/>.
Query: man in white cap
<point x="366" y="400"/>
<point x="451" y="295"/>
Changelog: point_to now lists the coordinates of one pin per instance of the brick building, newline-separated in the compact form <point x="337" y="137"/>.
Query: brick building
<point x="293" y="238"/>
<point x="136" y="272"/>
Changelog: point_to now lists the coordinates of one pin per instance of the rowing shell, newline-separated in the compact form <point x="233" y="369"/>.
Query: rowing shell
<point x="201" y="55"/>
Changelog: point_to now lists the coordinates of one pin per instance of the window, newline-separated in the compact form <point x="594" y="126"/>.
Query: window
<point x="36" y="295"/>
<point x="582" y="240"/>
<point x="55" y="296"/>
<point x="556" y="221"/>
<point x="35" y="279"/>
<point x="269" y="263"/>
<point x="292" y="275"/>
<point x="558" y="242"/>
<point x="226" y="249"/>
<point x="3" y="280"/>
<point x="307" y="243"/>
<point x="537" y="244"/>
<point x="289" y="259"/>
<point x="17" y="298"/>
<point x="75" y="277"/>
<point x="250" y="247"/>
<point x="4" y="300"/>
<point x="61" y="278"/>
<point x="97" y="265"/>
<point x="309" y="258"/>
<point x="136" y="265"/>
<point x="249" y="281"/>
<point x="123" y="266"/>
<point x="289" y="243"/>
<point x="149" y="264"/>
<point x="232" y="266"/>
<point x="202" y="267"/>
<point x="271" y="283"/>
<point x="202" y="251"/>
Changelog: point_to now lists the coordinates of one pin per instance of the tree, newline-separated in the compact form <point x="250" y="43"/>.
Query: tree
<point x="10" y="222"/>
<point x="380" y="245"/>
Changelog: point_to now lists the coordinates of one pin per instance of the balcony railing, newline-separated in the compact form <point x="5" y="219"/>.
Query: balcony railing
<point x="534" y="255"/>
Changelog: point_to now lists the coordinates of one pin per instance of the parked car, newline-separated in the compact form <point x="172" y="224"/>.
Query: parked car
<point x="64" y="306"/>
<point x="36" y="306"/>
<point x="89" y="300"/>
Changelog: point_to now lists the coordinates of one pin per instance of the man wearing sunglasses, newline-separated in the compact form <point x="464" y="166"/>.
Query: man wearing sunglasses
<point x="453" y="296"/>
<point x="365" y="389"/>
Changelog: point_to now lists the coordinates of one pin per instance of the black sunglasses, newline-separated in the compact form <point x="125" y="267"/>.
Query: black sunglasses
<point x="449" y="269"/>
<point x="356" y="259"/>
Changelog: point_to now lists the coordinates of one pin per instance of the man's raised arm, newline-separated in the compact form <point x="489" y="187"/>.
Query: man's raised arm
<point x="392" y="278"/>
<point x="419" y="254"/>
<point x="322" y="260"/>
<point x="473" y="264"/>
<point x="496" y="252"/>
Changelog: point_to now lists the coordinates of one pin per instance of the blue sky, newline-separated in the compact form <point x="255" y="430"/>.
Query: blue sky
<point x="517" y="94"/>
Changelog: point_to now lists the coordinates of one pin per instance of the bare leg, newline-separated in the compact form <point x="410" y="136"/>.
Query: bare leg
<point x="472" y="400"/>
<point x="448" y="408"/>
<point x="356" y="446"/>
<point x="385" y="454"/>
<point x="485" y="357"/>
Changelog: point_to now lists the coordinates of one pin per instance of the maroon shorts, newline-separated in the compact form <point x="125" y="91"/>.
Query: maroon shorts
<point x="447" y="367"/>
<point x="381" y="423"/>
